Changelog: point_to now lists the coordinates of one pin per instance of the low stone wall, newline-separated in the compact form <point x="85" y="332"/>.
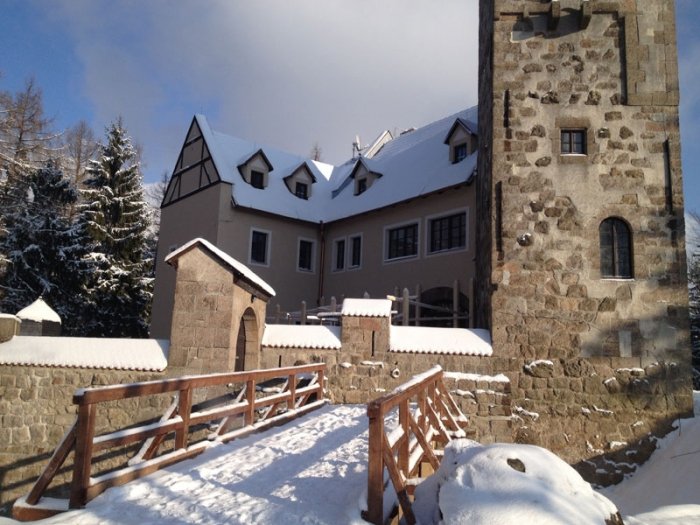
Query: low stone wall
<point x="36" y="410"/>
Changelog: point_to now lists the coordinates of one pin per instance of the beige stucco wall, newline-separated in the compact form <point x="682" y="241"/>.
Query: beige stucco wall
<point x="378" y="277"/>
<point x="194" y="216"/>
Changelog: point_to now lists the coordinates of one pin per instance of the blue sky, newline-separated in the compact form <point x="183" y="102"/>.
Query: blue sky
<point x="287" y="74"/>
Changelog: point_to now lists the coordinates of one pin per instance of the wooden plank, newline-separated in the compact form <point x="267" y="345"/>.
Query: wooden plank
<point x="151" y="445"/>
<point x="249" y="414"/>
<point x="115" y="392"/>
<point x="224" y="412"/>
<point x="397" y="480"/>
<point x="122" y="476"/>
<point x="425" y="445"/>
<point x="403" y="445"/>
<point x="136" y="434"/>
<point x="292" y="382"/>
<point x="85" y="431"/>
<point x="57" y="459"/>
<point x="394" y="398"/>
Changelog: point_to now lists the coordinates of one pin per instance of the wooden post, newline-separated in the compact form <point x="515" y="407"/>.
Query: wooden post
<point x="418" y="309"/>
<point x="82" y="462"/>
<point x="249" y="416"/>
<point x="365" y="295"/>
<point x="184" y="407"/>
<point x="334" y="304"/>
<point x="303" y="312"/>
<point x="404" y="442"/>
<point x="292" y="382"/>
<point x="405" y="303"/>
<point x="455" y="304"/>
<point x="375" y="467"/>
<point x="321" y="383"/>
<point x="278" y="313"/>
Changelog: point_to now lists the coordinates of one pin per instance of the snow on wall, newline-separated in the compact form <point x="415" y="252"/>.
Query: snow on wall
<point x="241" y="268"/>
<point x="432" y="340"/>
<point x="298" y="336"/>
<point x="366" y="308"/>
<point x="86" y="352"/>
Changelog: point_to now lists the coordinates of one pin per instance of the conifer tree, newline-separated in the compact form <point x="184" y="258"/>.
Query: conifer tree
<point x="39" y="245"/>
<point x="113" y="224"/>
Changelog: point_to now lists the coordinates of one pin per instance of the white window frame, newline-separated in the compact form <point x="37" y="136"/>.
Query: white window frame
<point x="313" y="255"/>
<point x="334" y="255"/>
<point x="348" y="250"/>
<point x="385" y="242"/>
<point x="441" y="215"/>
<point x="268" y="247"/>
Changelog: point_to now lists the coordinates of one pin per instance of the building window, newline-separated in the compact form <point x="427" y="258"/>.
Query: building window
<point x="402" y="241"/>
<point x="448" y="233"/>
<point x="257" y="179"/>
<point x="615" y="249"/>
<point x="361" y="186"/>
<point x="301" y="190"/>
<point x="355" y="251"/>
<point x="339" y="260"/>
<point x="259" y="247"/>
<point x="573" y="141"/>
<point x="460" y="153"/>
<point x="306" y="254"/>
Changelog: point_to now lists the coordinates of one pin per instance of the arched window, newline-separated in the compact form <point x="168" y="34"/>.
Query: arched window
<point x="615" y="249"/>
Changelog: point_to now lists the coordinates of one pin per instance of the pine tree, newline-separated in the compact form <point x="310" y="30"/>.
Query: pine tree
<point x="114" y="223"/>
<point x="39" y="245"/>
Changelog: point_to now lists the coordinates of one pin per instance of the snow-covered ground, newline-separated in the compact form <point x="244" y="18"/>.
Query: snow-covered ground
<point x="314" y="472"/>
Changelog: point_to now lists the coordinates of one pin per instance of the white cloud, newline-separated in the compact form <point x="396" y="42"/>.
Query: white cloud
<point x="284" y="73"/>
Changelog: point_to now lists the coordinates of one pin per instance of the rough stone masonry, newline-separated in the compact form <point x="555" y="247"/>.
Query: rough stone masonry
<point x="614" y="352"/>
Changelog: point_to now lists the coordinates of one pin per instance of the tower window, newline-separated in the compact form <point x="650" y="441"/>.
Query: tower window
<point x="615" y="249"/>
<point x="573" y="141"/>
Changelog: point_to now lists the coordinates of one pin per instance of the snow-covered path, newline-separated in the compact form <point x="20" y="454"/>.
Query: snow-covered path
<point x="264" y="478"/>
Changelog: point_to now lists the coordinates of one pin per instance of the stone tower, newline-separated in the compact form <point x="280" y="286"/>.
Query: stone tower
<point x="580" y="195"/>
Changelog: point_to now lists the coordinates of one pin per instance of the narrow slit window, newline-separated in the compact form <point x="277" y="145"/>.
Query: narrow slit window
<point x="615" y="249"/>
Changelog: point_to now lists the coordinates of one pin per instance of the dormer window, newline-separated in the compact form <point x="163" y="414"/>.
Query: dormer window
<point x="460" y="153"/>
<point x="257" y="179"/>
<point x="360" y="186"/>
<point x="301" y="190"/>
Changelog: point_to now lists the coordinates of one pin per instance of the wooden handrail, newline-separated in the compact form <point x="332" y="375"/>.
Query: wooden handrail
<point x="257" y="409"/>
<point x="427" y="416"/>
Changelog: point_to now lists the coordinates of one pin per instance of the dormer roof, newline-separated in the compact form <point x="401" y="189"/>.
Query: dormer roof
<point x="459" y="123"/>
<point x="262" y="155"/>
<point x="303" y="166"/>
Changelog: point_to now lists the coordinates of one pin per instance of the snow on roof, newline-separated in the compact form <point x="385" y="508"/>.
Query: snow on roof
<point x="411" y="165"/>
<point x="301" y="336"/>
<point x="238" y="267"/>
<point x="366" y="308"/>
<point x="432" y="340"/>
<point x="39" y="311"/>
<point x="86" y="352"/>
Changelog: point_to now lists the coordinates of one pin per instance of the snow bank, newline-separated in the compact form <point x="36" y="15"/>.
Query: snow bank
<point x="504" y="484"/>
<point x="665" y="488"/>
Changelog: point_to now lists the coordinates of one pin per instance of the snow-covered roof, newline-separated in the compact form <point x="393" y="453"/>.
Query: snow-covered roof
<point x="86" y="352"/>
<point x="38" y="311"/>
<point x="366" y="308"/>
<point x="301" y="336"/>
<point x="413" y="164"/>
<point x="432" y="340"/>
<point x="241" y="269"/>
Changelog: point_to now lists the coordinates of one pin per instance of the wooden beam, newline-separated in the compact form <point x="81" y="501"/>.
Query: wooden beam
<point x="57" y="459"/>
<point x="82" y="465"/>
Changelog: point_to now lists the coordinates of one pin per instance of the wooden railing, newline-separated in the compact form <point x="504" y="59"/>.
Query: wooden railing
<point x="428" y="419"/>
<point x="298" y="390"/>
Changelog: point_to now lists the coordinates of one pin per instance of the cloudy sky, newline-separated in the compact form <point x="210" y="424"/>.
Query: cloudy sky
<point x="285" y="73"/>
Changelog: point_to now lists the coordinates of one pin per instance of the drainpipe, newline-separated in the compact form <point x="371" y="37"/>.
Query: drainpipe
<point x="322" y="261"/>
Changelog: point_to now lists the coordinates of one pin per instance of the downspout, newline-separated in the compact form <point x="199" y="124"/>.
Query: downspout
<point x="322" y="262"/>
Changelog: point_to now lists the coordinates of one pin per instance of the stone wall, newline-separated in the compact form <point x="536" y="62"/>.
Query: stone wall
<point x="608" y="68"/>
<point x="36" y="407"/>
